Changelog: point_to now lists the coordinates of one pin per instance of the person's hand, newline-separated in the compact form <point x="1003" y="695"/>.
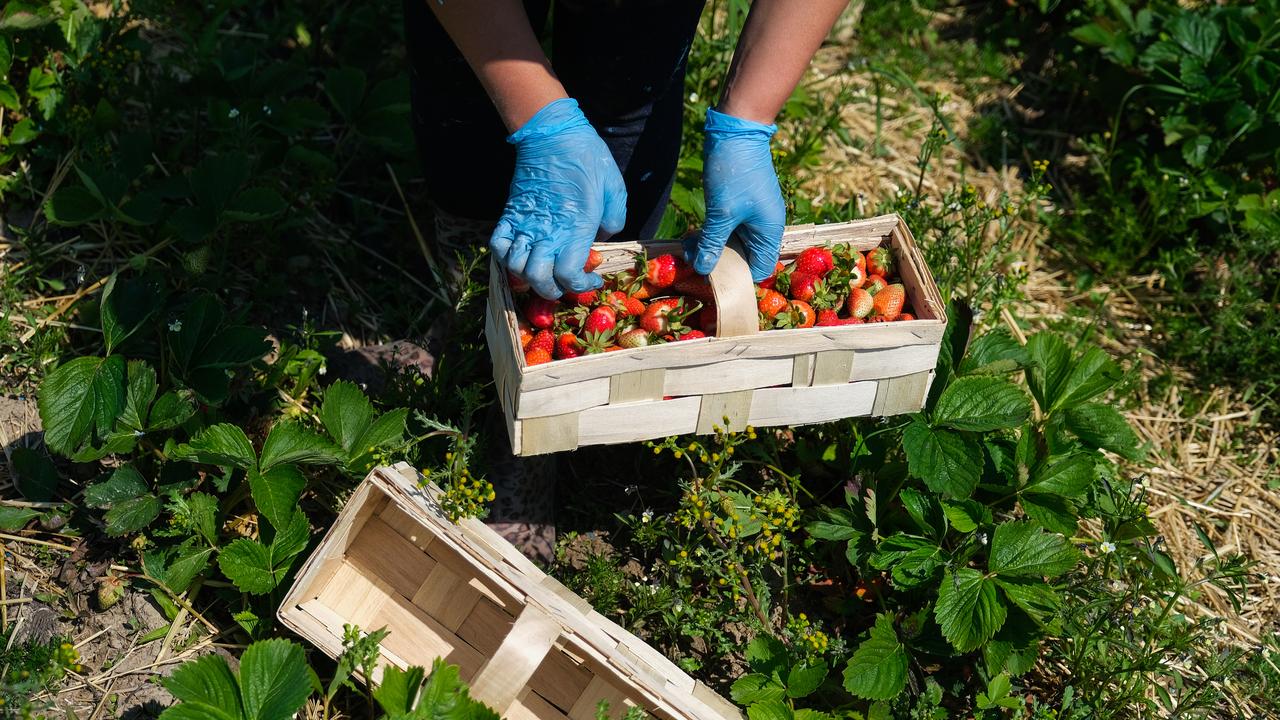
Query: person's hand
<point x="565" y="191"/>
<point x="742" y="193"/>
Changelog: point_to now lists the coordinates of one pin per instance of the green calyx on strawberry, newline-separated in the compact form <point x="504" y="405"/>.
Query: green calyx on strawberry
<point x="880" y="261"/>
<point x="667" y="315"/>
<point x="598" y="341"/>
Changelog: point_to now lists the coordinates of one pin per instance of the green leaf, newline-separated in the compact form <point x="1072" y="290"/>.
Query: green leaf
<point x="996" y="352"/>
<point x="345" y="87"/>
<point x="204" y="515"/>
<point x="139" y="393"/>
<point x="982" y="404"/>
<point x="80" y="401"/>
<point x="254" y="204"/>
<point x="291" y="539"/>
<point x="290" y="442"/>
<point x="948" y="462"/>
<point x="9" y="97"/>
<point x="1052" y="512"/>
<point x="233" y="347"/>
<point x="805" y="678"/>
<point x="1196" y="33"/>
<point x="398" y="689"/>
<point x="125" y="483"/>
<point x="754" y="688"/>
<point x="274" y="680"/>
<point x="1050" y="363"/>
<point x="769" y="710"/>
<point x="1103" y="427"/>
<point x="968" y="609"/>
<point x="966" y="515"/>
<point x="218" y="178"/>
<point x="831" y="531"/>
<point x="197" y="711"/>
<point x="171" y="410"/>
<point x="1067" y="476"/>
<point x="444" y="696"/>
<point x="126" y="306"/>
<point x="766" y="654"/>
<point x="276" y="492"/>
<point x="1090" y="375"/>
<point x="386" y="431"/>
<point x="345" y="413"/>
<point x="878" y="668"/>
<point x="176" y="568"/>
<point x="1036" y="599"/>
<point x="73" y="205"/>
<point x="132" y="515"/>
<point x="13" y="519"/>
<point x="925" y="512"/>
<point x="37" y="478"/>
<point x="248" y="564"/>
<point x="222" y="444"/>
<point x="1022" y="550"/>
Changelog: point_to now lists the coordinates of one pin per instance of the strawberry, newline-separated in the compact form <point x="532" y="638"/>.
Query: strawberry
<point x="770" y="302"/>
<point x="516" y="283"/>
<point x="594" y="258"/>
<point x="799" y="315"/>
<point x="875" y="284"/>
<point x="694" y="286"/>
<point x="661" y="271"/>
<point x="857" y="277"/>
<point x="690" y="335"/>
<point x="706" y="319"/>
<point x="526" y="334"/>
<point x="568" y="346"/>
<point x="888" y="302"/>
<point x="906" y="316"/>
<point x="646" y="291"/>
<point x="634" y="338"/>
<point x="827" y="317"/>
<point x="540" y="312"/>
<point x="543" y="340"/>
<point x="666" y="315"/>
<point x="880" y="262"/>
<point x="815" y="261"/>
<point x="802" y="286"/>
<point x="601" y="319"/>
<point x="860" y="302"/>
<point x="587" y="298"/>
<point x="768" y="283"/>
<point x="625" y="305"/>
<point x="537" y="356"/>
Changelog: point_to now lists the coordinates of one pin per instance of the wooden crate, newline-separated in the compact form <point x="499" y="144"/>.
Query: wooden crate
<point x="530" y="648"/>
<point x="779" y="377"/>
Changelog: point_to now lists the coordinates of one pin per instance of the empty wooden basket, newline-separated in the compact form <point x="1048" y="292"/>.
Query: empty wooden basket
<point x="779" y="377"/>
<point x="530" y="648"/>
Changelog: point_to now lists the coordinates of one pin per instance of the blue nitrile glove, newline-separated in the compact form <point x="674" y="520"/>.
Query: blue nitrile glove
<point x="742" y="193"/>
<point x="565" y="189"/>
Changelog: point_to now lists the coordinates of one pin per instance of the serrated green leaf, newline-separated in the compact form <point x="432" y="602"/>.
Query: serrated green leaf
<point x="924" y="511"/>
<point x="36" y="477"/>
<point x="1051" y="512"/>
<point x="1050" y="363"/>
<point x="969" y="609"/>
<point x="126" y="305"/>
<point x="273" y="679"/>
<point x="1068" y="476"/>
<point x="13" y="518"/>
<point x="132" y="515"/>
<point x="290" y="539"/>
<point x="386" y="431"/>
<point x="754" y="688"/>
<point x="1103" y="427"/>
<point x="982" y="404"/>
<point x="345" y="87"/>
<point x="1022" y="550"/>
<point x="73" y="205"/>
<point x="276" y="492"/>
<point x="766" y="654"/>
<point x="996" y="352"/>
<point x="140" y="390"/>
<point x="125" y="483"/>
<point x="247" y="563"/>
<point x="1036" y="599"/>
<point x="1090" y="375"/>
<point x="878" y="668"/>
<point x="255" y="204"/>
<point x="398" y="689"/>
<point x="966" y="515"/>
<point x="80" y="401"/>
<point x="222" y="444"/>
<point x="204" y="515"/>
<point x="290" y="442"/>
<point x="176" y="568"/>
<point x="769" y="710"/>
<point x="197" y="711"/>
<point x="948" y="462"/>
<point x="830" y="531"/>
<point x="805" y="678"/>
<point x="345" y="413"/>
<point x="170" y="410"/>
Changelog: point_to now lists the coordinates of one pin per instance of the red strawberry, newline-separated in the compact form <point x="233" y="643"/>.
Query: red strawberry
<point x="706" y="319"/>
<point x="661" y="271"/>
<point x="601" y="319"/>
<point x="646" y="291"/>
<point x="875" y="284"/>
<point x="683" y="269"/>
<point x="594" y="258"/>
<point x="526" y="334"/>
<point x="880" y="261"/>
<point x="634" y="338"/>
<point x="690" y="335"/>
<point x="860" y="303"/>
<point x="906" y="316"/>
<point x="802" y="285"/>
<point x="768" y="283"/>
<point x="666" y="315"/>
<point x="888" y="302"/>
<point x="583" y="298"/>
<point x="543" y="340"/>
<point x="799" y="315"/>
<point x="857" y="277"/>
<point x="625" y="305"/>
<point x="516" y="283"/>
<point x="537" y="356"/>
<point x="540" y="312"/>
<point x="770" y="302"/>
<point x="568" y="346"/>
<point x="815" y="261"/>
<point x="694" y="286"/>
<point x="827" y="317"/>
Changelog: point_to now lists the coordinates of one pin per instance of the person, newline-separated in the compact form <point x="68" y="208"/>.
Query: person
<point x="541" y="154"/>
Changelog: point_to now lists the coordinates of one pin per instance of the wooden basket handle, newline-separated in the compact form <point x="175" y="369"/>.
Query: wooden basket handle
<point x="736" y="308"/>
<point x="503" y="677"/>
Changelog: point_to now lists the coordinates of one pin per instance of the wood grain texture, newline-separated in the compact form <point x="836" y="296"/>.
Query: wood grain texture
<point x="636" y="386"/>
<point x="735" y="293"/>
<point x="506" y="673"/>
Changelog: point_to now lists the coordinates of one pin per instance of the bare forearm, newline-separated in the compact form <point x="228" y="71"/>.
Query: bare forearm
<point x="776" y="46"/>
<point x="496" y="39"/>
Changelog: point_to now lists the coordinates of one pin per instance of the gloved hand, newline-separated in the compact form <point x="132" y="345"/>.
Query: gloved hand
<point x="741" y="192"/>
<point x="565" y="189"/>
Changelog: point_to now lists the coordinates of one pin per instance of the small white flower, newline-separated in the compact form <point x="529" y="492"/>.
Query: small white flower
<point x="678" y="607"/>
<point x="647" y="516"/>
<point x="138" y="433"/>
<point x="323" y="370"/>
<point x="175" y="326"/>
<point x="266" y="109"/>
<point x="230" y="375"/>
<point x="1107" y="547"/>
<point x="693" y="97"/>
<point x="233" y="113"/>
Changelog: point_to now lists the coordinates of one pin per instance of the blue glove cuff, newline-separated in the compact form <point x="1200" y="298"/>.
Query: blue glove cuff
<point x="719" y="123"/>
<point x="554" y="118"/>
